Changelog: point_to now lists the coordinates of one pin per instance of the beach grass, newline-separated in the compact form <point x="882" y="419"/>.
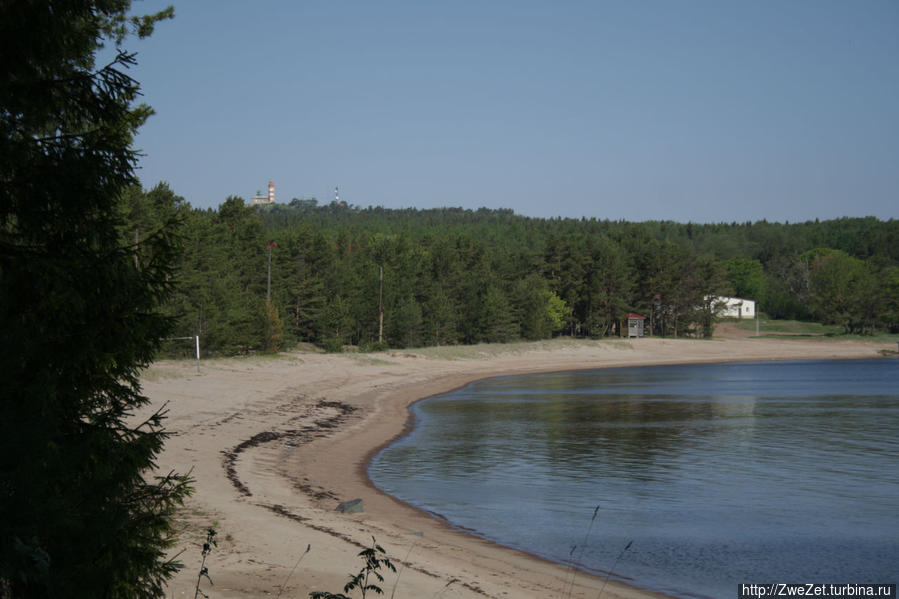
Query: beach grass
<point x="169" y="368"/>
<point x="515" y="348"/>
<point x="370" y="360"/>
<point x="887" y="338"/>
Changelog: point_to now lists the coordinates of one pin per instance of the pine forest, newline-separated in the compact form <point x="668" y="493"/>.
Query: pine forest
<point x="267" y="277"/>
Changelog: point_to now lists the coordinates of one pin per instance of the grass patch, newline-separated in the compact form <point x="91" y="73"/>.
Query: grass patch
<point x="790" y="327"/>
<point x="796" y="328"/>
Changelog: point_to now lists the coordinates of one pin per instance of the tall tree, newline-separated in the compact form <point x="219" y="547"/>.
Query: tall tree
<point x="83" y="513"/>
<point x="497" y="320"/>
<point x="538" y="310"/>
<point x="890" y="278"/>
<point x="608" y="286"/>
<point x="844" y="290"/>
<point x="746" y="277"/>
<point x="710" y="283"/>
<point x="786" y="288"/>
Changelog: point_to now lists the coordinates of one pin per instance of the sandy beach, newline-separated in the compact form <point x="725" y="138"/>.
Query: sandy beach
<point x="275" y="443"/>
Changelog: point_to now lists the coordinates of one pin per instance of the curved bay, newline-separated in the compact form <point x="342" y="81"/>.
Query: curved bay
<point x="719" y="473"/>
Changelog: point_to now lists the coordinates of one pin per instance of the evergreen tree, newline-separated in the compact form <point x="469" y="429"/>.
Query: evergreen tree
<point x="710" y="285"/>
<point x="404" y="326"/>
<point x="83" y="513"/>
<point x="439" y="317"/>
<point x="608" y="286"/>
<point x="497" y="320"/>
<point x="304" y="290"/>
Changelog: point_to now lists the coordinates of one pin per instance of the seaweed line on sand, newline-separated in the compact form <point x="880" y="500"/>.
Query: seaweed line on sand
<point x="317" y="429"/>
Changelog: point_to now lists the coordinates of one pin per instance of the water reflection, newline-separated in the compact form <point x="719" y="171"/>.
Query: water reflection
<point x="716" y="471"/>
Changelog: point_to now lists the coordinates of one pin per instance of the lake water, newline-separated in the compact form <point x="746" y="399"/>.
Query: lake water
<point x="718" y="474"/>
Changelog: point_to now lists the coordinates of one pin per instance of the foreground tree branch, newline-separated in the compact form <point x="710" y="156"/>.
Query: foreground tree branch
<point x="84" y="513"/>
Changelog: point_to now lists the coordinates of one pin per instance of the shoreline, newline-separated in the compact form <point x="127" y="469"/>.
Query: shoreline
<point x="443" y="521"/>
<point x="308" y="457"/>
<point x="363" y="469"/>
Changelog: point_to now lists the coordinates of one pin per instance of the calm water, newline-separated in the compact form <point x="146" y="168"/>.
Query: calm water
<point x="719" y="474"/>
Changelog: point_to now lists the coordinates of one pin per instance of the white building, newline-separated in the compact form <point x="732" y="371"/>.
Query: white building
<point x="736" y="307"/>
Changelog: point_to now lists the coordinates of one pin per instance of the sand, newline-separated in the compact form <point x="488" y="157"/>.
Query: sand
<point x="275" y="443"/>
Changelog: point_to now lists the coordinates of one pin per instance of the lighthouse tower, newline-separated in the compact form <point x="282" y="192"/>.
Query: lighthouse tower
<point x="261" y="200"/>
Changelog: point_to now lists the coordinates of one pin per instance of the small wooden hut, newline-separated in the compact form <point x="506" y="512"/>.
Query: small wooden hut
<point x="635" y="324"/>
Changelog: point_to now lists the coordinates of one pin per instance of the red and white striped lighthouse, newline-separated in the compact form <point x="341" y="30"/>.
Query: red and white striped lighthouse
<point x="271" y="192"/>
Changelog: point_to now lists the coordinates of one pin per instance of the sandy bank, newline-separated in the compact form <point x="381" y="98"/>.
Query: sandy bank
<point x="275" y="443"/>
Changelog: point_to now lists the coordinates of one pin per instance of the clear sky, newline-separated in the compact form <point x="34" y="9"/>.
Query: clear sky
<point x="703" y="111"/>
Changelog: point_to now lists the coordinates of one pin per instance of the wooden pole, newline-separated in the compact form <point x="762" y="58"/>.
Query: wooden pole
<point x="268" y="288"/>
<point x="380" y="304"/>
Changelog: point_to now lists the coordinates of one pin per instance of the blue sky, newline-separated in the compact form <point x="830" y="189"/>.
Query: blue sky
<point x="703" y="111"/>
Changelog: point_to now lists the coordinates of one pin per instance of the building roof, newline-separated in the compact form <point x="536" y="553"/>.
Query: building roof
<point x="635" y="315"/>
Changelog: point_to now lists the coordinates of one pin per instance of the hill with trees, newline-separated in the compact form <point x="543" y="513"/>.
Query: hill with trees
<point x="376" y="277"/>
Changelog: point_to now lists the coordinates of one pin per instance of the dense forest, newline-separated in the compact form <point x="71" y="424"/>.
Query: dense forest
<point x="262" y="278"/>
